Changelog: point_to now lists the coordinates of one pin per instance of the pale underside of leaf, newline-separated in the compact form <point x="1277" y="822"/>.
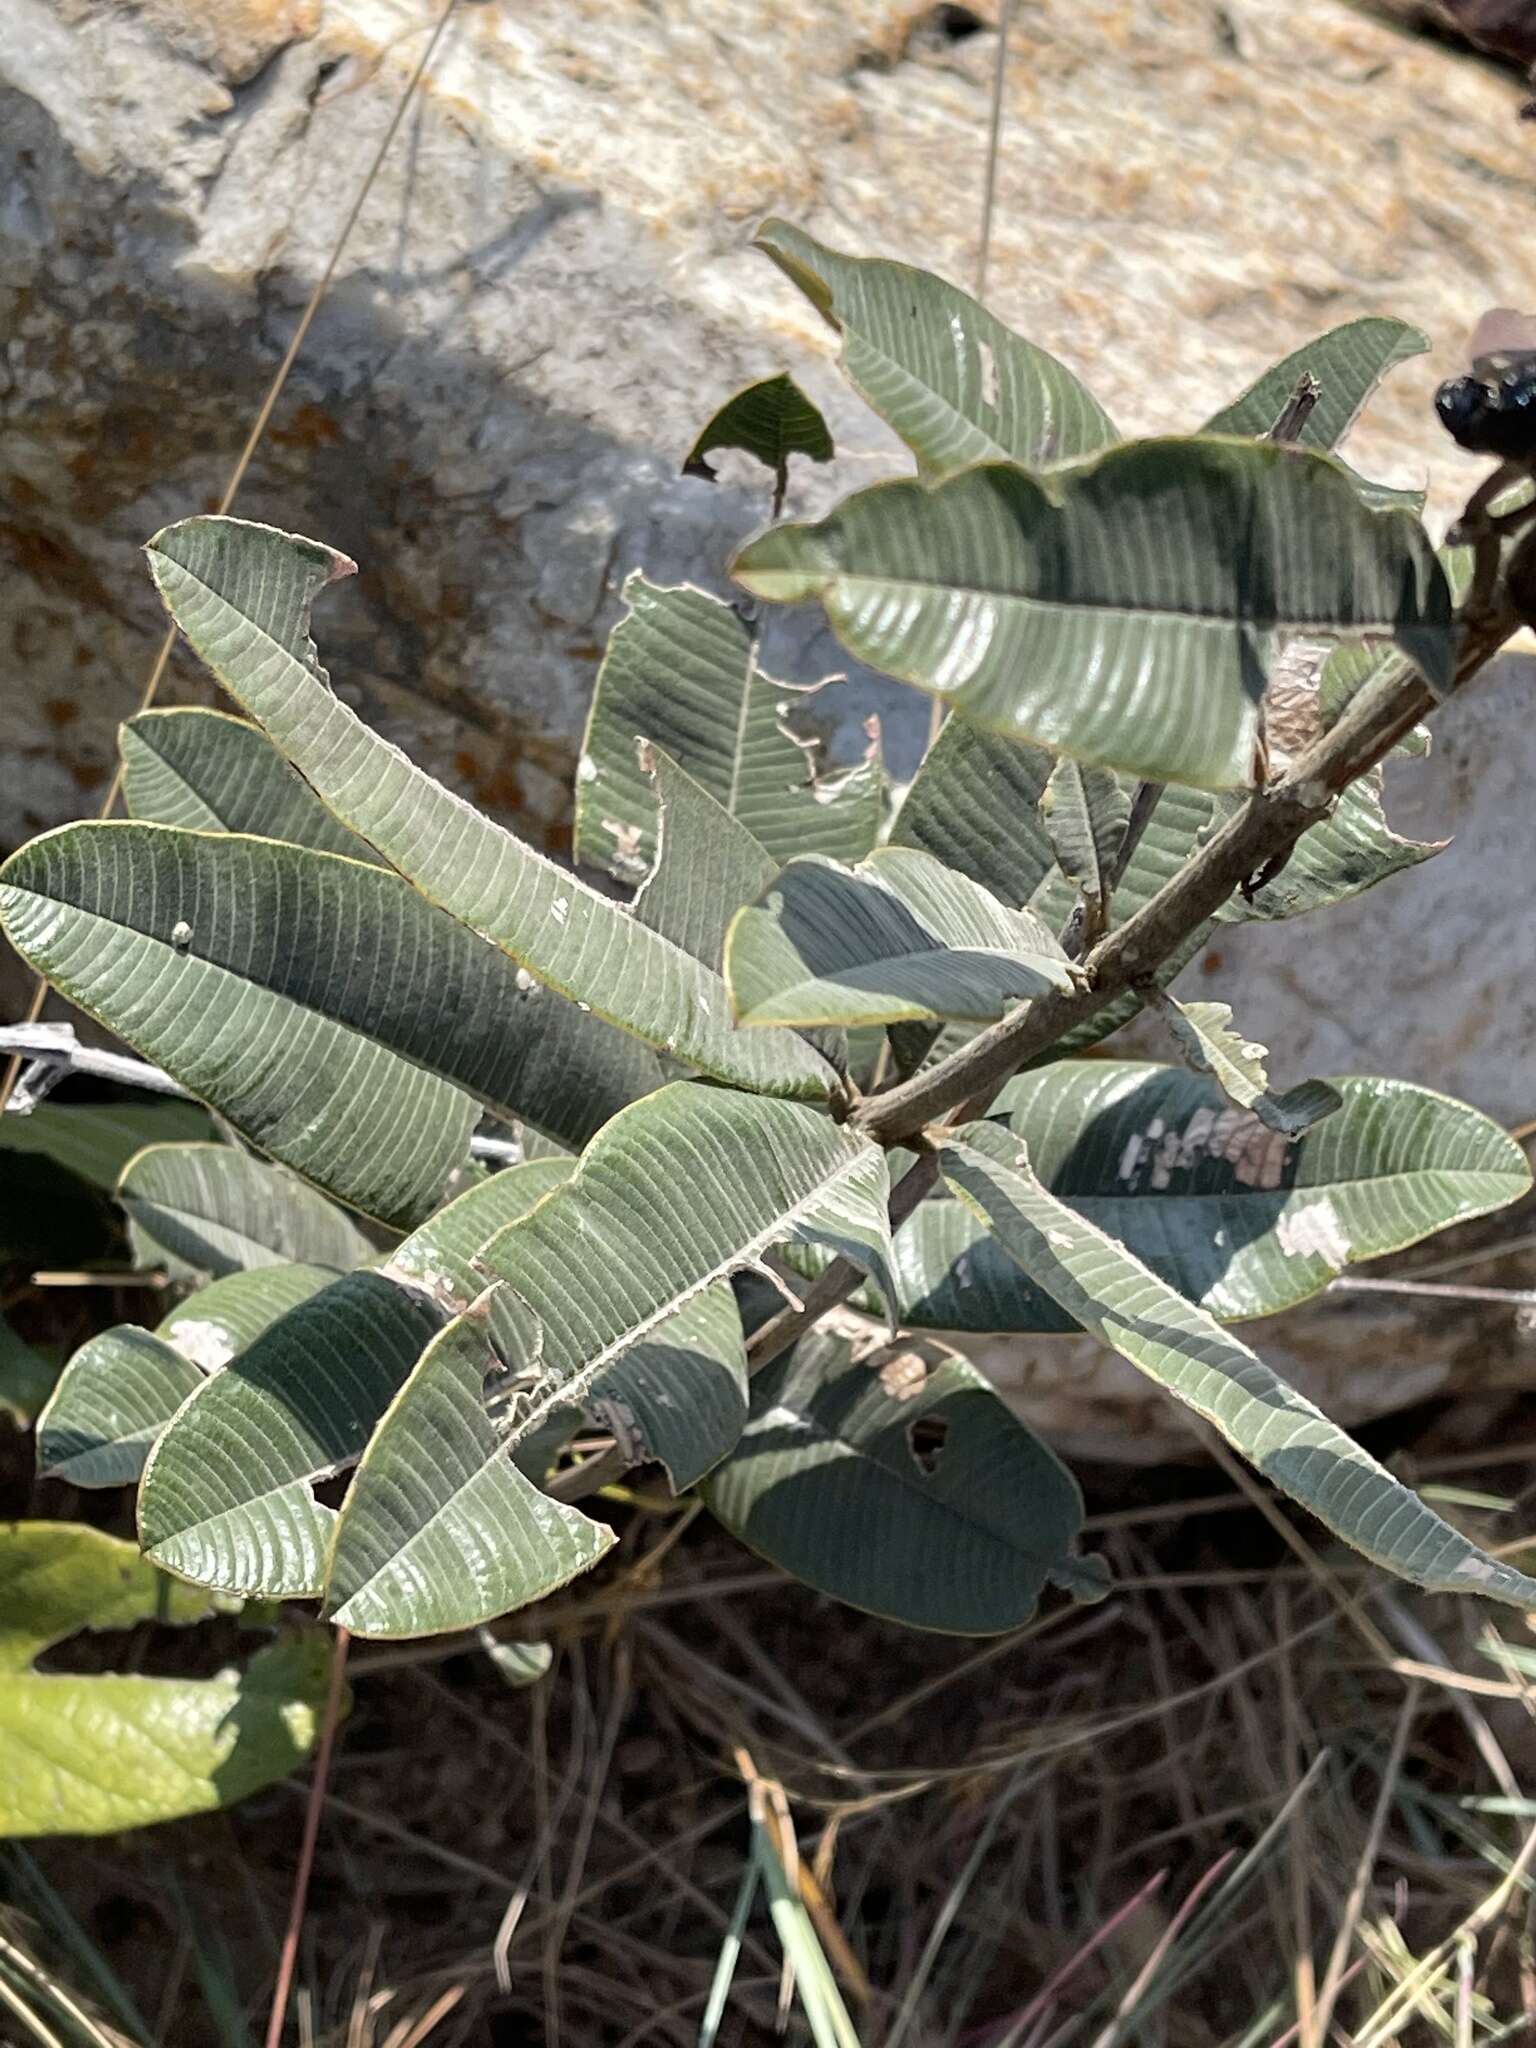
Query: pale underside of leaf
<point x="344" y="1111"/>
<point x="681" y="672"/>
<point x="677" y="1193"/>
<point x="1122" y="611"/>
<point x="440" y="1529"/>
<point x="208" y="1210"/>
<point x="242" y="594"/>
<point x="209" y="772"/>
<point x="1181" y="1348"/>
<point x="1204" y="1034"/>
<point x="955" y="383"/>
<point x="899" y="938"/>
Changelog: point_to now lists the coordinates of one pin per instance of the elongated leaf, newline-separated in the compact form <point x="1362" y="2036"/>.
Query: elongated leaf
<point x="1347" y="363"/>
<point x="212" y="773"/>
<point x="113" y="1399"/>
<point x="898" y="938"/>
<point x="360" y="949"/>
<point x="707" y="865"/>
<point x="956" y="384"/>
<point x="771" y="420"/>
<point x="242" y="596"/>
<point x="1120" y="611"/>
<point x="681" y="672"/>
<point x="1086" y="811"/>
<point x="1352" y="850"/>
<point x="344" y="1111"/>
<point x="1227" y="1212"/>
<point x="90" y="1755"/>
<point x="200" y="1210"/>
<point x="26" y="1378"/>
<point x="1204" y="1034"/>
<point x="677" y="1192"/>
<point x="904" y="1487"/>
<point x="227" y="1494"/>
<point x="1098" y="1282"/>
<point x="120" y="1389"/>
<point x="440" y="1529"/>
<point x="96" y="1140"/>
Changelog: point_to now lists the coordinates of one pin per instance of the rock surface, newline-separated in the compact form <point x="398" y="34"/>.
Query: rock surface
<point x="548" y="289"/>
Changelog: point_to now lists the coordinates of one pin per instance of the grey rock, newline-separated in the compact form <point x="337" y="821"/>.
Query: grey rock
<point x="549" y="288"/>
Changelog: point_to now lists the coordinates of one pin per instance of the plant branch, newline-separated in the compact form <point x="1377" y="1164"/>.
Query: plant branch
<point x="1261" y="834"/>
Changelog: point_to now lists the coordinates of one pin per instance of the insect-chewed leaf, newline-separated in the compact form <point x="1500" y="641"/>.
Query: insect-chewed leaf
<point x="1230" y="1214"/>
<point x="227" y="1495"/>
<point x="676" y="1194"/>
<point x="1121" y="610"/>
<point x="904" y="1487"/>
<point x="121" y="1388"/>
<point x="771" y="420"/>
<point x="707" y="864"/>
<point x="1086" y="811"/>
<point x="1352" y="850"/>
<point x="209" y="772"/>
<point x="242" y="594"/>
<point x="681" y="671"/>
<point x="440" y="1529"/>
<point x="955" y="383"/>
<point x="898" y="938"/>
<point x="1347" y="364"/>
<point x="201" y="1210"/>
<point x="1204" y="1034"/>
<point x="1110" y="1293"/>
<point x="89" y="1755"/>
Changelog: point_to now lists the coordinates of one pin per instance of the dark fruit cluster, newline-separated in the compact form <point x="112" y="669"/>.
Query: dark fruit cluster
<point x="1492" y="415"/>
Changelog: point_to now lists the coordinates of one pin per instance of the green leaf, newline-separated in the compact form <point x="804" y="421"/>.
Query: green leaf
<point x="1345" y="674"/>
<point x="57" y="1578"/>
<point x="361" y="952"/>
<point x="1348" y="363"/>
<point x="440" y="1529"/>
<point x="92" y="1755"/>
<point x="1103" y="1287"/>
<point x="96" y="1140"/>
<point x="518" y="1665"/>
<point x="1352" y="850"/>
<point x="102" y="911"/>
<point x="1086" y="811"/>
<point x="1230" y="1214"/>
<point x="212" y="773"/>
<point x="771" y="421"/>
<point x="227" y="1496"/>
<point x="957" y="385"/>
<point x="26" y="1378"/>
<point x="121" y="1388"/>
<point x="1122" y="610"/>
<point x="707" y="864"/>
<point x="672" y="1197"/>
<point x="896" y="939"/>
<point x="1204" y="1034"/>
<point x="200" y="1210"/>
<point x="681" y="671"/>
<point x="242" y="595"/>
<point x="905" y="1488"/>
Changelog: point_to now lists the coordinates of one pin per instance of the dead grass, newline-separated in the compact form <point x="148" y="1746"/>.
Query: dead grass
<point x="1196" y="1815"/>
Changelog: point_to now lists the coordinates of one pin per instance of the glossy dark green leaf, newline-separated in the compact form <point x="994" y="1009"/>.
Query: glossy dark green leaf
<point x="771" y="420"/>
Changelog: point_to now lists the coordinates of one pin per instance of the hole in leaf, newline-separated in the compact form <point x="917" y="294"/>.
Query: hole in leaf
<point x="927" y="1435"/>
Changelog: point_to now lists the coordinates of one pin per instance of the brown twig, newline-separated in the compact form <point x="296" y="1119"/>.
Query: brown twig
<point x="316" y="1800"/>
